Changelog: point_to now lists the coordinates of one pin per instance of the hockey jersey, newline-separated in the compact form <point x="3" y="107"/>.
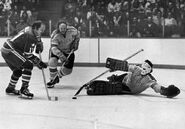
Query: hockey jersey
<point x="24" y="42"/>
<point x="66" y="43"/>
<point x="137" y="83"/>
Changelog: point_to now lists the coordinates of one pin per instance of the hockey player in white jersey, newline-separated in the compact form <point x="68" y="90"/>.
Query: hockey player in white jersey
<point x="64" y="41"/>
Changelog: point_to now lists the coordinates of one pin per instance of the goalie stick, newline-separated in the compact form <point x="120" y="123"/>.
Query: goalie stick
<point x="85" y="85"/>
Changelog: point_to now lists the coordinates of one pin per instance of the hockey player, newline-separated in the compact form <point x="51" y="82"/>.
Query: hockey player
<point x="17" y="53"/>
<point x="64" y="41"/>
<point x="136" y="80"/>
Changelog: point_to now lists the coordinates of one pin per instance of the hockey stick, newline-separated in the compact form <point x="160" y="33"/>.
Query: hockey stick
<point x="85" y="85"/>
<point x="55" y="98"/>
<point x="72" y="51"/>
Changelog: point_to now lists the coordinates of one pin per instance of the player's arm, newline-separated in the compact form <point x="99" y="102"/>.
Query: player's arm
<point x="55" y="50"/>
<point x="39" y="46"/>
<point x="28" y="49"/>
<point x="76" y="41"/>
<point x="170" y="91"/>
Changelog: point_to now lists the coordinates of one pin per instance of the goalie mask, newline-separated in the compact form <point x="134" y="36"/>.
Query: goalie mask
<point x="146" y="67"/>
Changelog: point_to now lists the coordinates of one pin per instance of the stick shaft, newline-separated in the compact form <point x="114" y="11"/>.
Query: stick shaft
<point x="44" y="78"/>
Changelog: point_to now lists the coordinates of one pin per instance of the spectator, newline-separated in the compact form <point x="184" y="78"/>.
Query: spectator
<point x="33" y="16"/>
<point x="21" y="25"/>
<point x="170" y="20"/>
<point x="134" y="29"/>
<point x="70" y="7"/>
<point x="3" y="19"/>
<point x="82" y="5"/>
<point x="117" y="23"/>
<point x="25" y="11"/>
<point x="112" y="7"/>
<point x="158" y="19"/>
<point x="14" y="16"/>
<point x="14" y="19"/>
<point x="151" y="29"/>
<point x="7" y="5"/>
<point x="170" y="24"/>
<point x="83" y="29"/>
<point x="78" y="19"/>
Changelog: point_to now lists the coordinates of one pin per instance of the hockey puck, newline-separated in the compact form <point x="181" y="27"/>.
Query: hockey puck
<point x="53" y="98"/>
<point x="56" y="98"/>
<point x="74" y="97"/>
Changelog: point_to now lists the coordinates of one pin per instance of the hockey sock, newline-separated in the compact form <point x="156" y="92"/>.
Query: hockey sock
<point x="26" y="76"/>
<point x="13" y="81"/>
<point x="15" y="77"/>
<point x="53" y="72"/>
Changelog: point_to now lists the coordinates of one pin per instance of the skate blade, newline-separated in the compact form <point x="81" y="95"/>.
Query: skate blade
<point x="52" y="86"/>
<point x="25" y="97"/>
<point x="12" y="94"/>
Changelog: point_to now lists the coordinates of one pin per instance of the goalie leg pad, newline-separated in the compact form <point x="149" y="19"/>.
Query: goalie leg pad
<point x="99" y="87"/>
<point x="115" y="64"/>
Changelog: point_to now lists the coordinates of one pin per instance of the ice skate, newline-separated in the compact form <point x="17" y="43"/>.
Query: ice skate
<point x="52" y="82"/>
<point x="25" y="93"/>
<point x="12" y="91"/>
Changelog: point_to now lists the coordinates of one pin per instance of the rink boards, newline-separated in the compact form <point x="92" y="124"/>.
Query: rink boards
<point x="162" y="52"/>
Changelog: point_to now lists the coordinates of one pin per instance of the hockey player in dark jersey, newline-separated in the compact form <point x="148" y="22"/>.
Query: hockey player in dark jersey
<point x="136" y="80"/>
<point x="64" y="41"/>
<point x="18" y="54"/>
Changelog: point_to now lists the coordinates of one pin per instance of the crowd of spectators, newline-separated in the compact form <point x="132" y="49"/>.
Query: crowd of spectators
<point x="107" y="18"/>
<point x="127" y="18"/>
<point x="14" y="18"/>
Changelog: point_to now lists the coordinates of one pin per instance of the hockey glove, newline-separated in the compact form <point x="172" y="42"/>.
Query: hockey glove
<point x="171" y="91"/>
<point x="62" y="58"/>
<point x="39" y="63"/>
<point x="39" y="47"/>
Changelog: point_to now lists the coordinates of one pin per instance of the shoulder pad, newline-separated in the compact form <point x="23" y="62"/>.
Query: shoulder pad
<point x="26" y="30"/>
<point x="72" y="29"/>
<point x="152" y="77"/>
<point x="53" y="33"/>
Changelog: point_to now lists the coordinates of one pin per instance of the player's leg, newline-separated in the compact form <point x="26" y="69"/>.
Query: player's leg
<point x="14" y="63"/>
<point x="54" y="78"/>
<point x="26" y="76"/>
<point x="67" y="68"/>
<point x="99" y="87"/>
<point x="13" y="81"/>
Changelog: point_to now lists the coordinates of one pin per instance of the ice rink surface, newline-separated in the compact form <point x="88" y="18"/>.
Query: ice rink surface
<point x="145" y="111"/>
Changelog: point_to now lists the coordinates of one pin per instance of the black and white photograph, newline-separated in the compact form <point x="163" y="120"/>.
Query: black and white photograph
<point x="92" y="64"/>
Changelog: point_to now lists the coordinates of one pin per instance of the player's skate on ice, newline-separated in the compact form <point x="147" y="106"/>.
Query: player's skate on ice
<point x="25" y="93"/>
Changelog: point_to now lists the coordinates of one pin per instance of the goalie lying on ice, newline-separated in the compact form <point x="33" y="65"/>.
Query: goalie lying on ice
<point x="136" y="80"/>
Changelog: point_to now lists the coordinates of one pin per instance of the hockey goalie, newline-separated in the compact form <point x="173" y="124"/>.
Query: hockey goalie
<point x="134" y="80"/>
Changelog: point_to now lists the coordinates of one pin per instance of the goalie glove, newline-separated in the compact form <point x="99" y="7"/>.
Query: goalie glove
<point x="170" y="92"/>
